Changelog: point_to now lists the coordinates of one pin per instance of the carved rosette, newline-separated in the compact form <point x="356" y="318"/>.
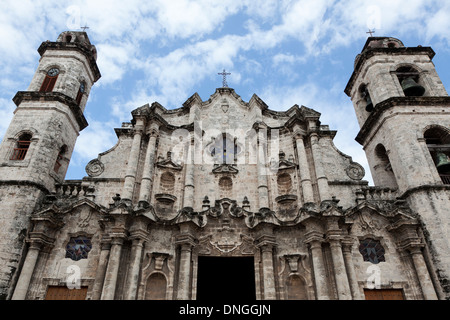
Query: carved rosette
<point x="355" y="171"/>
<point x="95" y="168"/>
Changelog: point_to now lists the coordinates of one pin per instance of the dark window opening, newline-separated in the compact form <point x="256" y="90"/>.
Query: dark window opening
<point x="366" y="96"/>
<point x="438" y="143"/>
<point x="80" y="93"/>
<point x="21" y="149"/>
<point x="59" y="158"/>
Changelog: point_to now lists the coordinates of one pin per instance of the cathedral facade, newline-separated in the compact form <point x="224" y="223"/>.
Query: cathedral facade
<point x="226" y="195"/>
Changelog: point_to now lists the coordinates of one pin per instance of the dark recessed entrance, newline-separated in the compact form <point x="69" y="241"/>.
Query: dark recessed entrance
<point x="224" y="279"/>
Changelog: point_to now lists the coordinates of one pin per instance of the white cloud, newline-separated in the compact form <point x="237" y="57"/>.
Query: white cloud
<point x="96" y="138"/>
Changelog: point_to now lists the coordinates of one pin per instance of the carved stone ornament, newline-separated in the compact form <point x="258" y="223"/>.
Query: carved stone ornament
<point x="355" y="171"/>
<point x="95" y="168"/>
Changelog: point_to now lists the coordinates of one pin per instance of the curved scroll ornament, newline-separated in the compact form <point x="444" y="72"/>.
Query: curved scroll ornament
<point x="95" y="168"/>
<point x="355" y="171"/>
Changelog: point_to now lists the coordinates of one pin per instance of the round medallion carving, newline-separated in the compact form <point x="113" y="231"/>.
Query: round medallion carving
<point x="95" y="168"/>
<point x="355" y="171"/>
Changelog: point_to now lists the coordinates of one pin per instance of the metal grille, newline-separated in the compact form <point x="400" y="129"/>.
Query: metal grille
<point x="20" y="152"/>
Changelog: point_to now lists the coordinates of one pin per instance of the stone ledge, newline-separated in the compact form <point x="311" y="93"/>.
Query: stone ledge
<point x="381" y="107"/>
<point x="53" y="96"/>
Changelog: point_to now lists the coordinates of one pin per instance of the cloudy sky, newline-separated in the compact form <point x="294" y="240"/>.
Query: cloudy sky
<point x="287" y="52"/>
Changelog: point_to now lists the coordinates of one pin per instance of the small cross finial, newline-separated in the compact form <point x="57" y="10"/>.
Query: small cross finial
<point x="84" y="28"/>
<point x="224" y="78"/>
<point x="371" y="32"/>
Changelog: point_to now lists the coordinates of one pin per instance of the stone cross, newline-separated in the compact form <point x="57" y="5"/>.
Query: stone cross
<point x="84" y="28"/>
<point x="224" y="78"/>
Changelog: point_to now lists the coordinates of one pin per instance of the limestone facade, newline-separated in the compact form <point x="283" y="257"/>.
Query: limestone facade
<point x="231" y="179"/>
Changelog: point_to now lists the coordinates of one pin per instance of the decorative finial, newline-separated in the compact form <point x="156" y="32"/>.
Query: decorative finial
<point x="84" y="28"/>
<point x="224" y="78"/>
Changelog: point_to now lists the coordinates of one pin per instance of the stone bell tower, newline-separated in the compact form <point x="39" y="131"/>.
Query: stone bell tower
<point x="37" y="147"/>
<point x="403" y="111"/>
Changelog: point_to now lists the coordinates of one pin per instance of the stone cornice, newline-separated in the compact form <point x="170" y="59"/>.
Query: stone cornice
<point x="53" y="96"/>
<point x="381" y="107"/>
<point x="25" y="183"/>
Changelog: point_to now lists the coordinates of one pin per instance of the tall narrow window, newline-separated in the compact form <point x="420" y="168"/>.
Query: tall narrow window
<point x="81" y="92"/>
<point x="50" y="80"/>
<point x="225" y="150"/>
<point x="384" y="174"/>
<point x="59" y="159"/>
<point x="21" y="149"/>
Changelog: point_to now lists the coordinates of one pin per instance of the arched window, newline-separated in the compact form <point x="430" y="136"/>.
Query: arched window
<point x="81" y="92"/>
<point x="225" y="149"/>
<point x="384" y="174"/>
<point x="167" y="182"/>
<point x="438" y="143"/>
<point x="50" y="80"/>
<point x="59" y="158"/>
<point x="410" y="81"/>
<point x="366" y="96"/>
<point x="22" y="146"/>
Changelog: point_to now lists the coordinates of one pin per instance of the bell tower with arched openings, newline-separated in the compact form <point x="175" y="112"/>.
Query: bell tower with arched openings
<point x="38" y="144"/>
<point x="403" y="111"/>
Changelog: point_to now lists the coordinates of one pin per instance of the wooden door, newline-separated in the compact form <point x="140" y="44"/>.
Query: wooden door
<point x="64" y="293"/>
<point x="384" y="294"/>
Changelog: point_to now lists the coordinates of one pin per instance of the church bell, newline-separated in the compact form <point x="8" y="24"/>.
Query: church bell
<point x="443" y="163"/>
<point x="411" y="88"/>
<point x="369" y="105"/>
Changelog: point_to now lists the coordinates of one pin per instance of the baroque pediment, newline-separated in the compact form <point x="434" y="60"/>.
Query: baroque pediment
<point x="225" y="169"/>
<point x="168" y="163"/>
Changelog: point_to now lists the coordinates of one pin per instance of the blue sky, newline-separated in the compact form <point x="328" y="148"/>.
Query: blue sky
<point x="286" y="52"/>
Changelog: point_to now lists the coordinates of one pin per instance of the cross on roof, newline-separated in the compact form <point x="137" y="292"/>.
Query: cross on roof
<point x="84" y="28"/>
<point x="371" y="32"/>
<point x="224" y="78"/>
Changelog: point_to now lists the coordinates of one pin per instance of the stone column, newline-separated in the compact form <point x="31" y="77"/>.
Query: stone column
<point x="322" y="180"/>
<point x="133" y="159"/>
<point x="134" y="270"/>
<point x="184" y="273"/>
<point x="23" y="283"/>
<point x="340" y="272"/>
<point x="263" y="191"/>
<point x="429" y="293"/>
<point x="189" y="187"/>
<point x="320" y="277"/>
<point x="101" y="271"/>
<point x="109" y="286"/>
<point x="149" y="165"/>
<point x="305" y="176"/>
<point x="268" y="271"/>
<point x="351" y="272"/>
